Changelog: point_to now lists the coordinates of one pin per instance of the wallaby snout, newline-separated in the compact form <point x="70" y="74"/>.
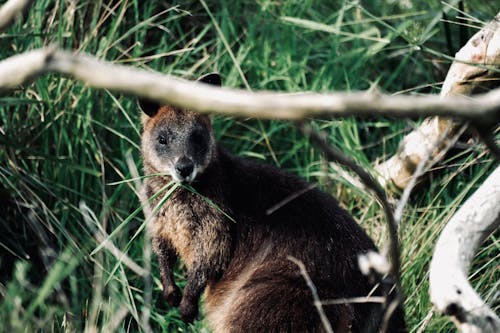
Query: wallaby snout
<point x="185" y="169"/>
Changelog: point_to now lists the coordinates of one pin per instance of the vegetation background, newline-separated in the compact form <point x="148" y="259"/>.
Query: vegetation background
<point x="64" y="146"/>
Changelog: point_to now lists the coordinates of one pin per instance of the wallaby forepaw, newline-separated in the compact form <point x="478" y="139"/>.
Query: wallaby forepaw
<point x="188" y="311"/>
<point x="172" y="295"/>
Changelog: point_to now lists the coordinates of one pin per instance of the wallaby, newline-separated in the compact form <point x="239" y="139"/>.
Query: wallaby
<point x="235" y="250"/>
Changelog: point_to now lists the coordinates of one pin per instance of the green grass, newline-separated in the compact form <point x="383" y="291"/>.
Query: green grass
<point x="64" y="146"/>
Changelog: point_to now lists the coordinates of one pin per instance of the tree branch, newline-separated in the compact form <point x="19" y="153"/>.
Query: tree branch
<point x="26" y="67"/>
<point x="450" y="290"/>
<point x="12" y="10"/>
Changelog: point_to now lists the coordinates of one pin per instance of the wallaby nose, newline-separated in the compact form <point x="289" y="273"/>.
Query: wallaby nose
<point x="184" y="167"/>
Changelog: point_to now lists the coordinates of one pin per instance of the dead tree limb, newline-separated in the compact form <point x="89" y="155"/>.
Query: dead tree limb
<point x="467" y="76"/>
<point x="12" y="10"/>
<point x="450" y="290"/>
<point x="24" y="68"/>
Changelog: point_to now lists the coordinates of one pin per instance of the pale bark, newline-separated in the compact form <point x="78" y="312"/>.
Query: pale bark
<point x="450" y="290"/>
<point x="466" y="76"/>
<point x="24" y="68"/>
<point x="12" y="10"/>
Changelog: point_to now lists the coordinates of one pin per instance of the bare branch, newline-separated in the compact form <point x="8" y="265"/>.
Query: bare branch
<point x="334" y="155"/>
<point x="12" y="10"/>
<point x="289" y="198"/>
<point x="450" y="290"/>
<point x="103" y="238"/>
<point x="425" y="322"/>
<point x="353" y="300"/>
<point x="24" y="68"/>
<point x="423" y="167"/>
<point x="488" y="138"/>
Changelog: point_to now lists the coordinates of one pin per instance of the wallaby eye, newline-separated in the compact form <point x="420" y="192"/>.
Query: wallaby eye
<point x="199" y="140"/>
<point x="162" y="139"/>
<point x="197" y="137"/>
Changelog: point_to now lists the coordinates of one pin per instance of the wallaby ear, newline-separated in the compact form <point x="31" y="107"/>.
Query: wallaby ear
<point x="148" y="106"/>
<point x="212" y="79"/>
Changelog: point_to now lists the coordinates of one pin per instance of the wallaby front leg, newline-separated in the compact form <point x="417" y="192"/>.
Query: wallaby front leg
<point x="197" y="280"/>
<point x="213" y="264"/>
<point x="167" y="258"/>
<point x="213" y="248"/>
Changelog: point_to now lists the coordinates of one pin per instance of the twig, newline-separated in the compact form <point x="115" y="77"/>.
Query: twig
<point x="368" y="299"/>
<point x="426" y="321"/>
<point x="11" y="10"/>
<point x="332" y="154"/>
<point x="388" y="312"/>
<point x="423" y="166"/>
<point x="289" y="198"/>
<point x="317" y="303"/>
<point x="116" y="320"/>
<point x="23" y="68"/>
<point x="102" y="238"/>
<point x="488" y="138"/>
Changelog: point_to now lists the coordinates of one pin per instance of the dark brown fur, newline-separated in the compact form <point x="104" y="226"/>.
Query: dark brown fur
<point x="242" y="265"/>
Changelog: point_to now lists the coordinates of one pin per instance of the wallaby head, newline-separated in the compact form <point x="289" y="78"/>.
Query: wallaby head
<point x="177" y="142"/>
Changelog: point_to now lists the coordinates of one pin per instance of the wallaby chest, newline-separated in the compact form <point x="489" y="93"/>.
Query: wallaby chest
<point x="186" y="220"/>
<point x="175" y="221"/>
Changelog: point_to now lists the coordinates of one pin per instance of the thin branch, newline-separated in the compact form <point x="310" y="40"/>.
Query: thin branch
<point x="103" y="238"/>
<point x="24" y="68"/>
<point x="11" y="10"/>
<point x="317" y="302"/>
<point x="425" y="322"/>
<point x="116" y="320"/>
<point x="424" y="165"/>
<point x="488" y="138"/>
<point x="289" y="198"/>
<point x="352" y="300"/>
<point x="390" y="309"/>
<point x="332" y="154"/>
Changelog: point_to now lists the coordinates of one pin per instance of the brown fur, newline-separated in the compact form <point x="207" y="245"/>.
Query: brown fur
<point x="242" y="262"/>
